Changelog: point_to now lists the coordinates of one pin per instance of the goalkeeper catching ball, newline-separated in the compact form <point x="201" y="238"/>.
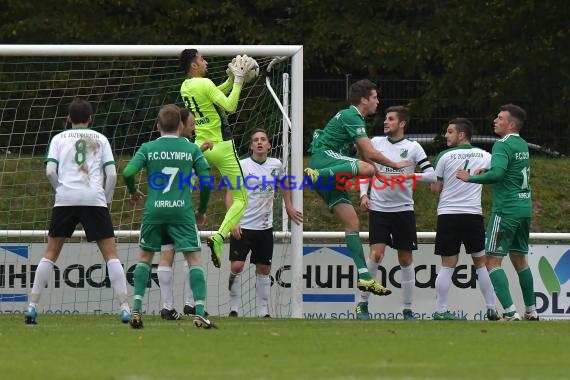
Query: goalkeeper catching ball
<point x="209" y="103"/>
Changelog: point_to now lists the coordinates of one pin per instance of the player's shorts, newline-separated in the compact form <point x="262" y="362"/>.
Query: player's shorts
<point x="505" y="234"/>
<point x="395" y="229"/>
<point x="96" y="222"/>
<point x="454" y="229"/>
<point x="259" y="242"/>
<point x="186" y="237"/>
<point x="326" y="187"/>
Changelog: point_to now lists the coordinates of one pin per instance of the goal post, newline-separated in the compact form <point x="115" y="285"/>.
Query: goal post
<point x="102" y="74"/>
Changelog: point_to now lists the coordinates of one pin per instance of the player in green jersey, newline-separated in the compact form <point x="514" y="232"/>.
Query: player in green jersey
<point x="329" y="156"/>
<point x="508" y="228"/>
<point x="168" y="209"/>
<point x="209" y="105"/>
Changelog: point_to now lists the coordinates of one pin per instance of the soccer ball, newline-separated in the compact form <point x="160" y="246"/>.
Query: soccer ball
<point x="253" y="73"/>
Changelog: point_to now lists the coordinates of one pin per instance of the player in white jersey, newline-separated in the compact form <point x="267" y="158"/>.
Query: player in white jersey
<point x="460" y="217"/>
<point x="81" y="169"/>
<point x="262" y="174"/>
<point x="391" y="205"/>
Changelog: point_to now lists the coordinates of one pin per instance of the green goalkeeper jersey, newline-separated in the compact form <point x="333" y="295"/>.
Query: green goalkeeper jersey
<point x="169" y="161"/>
<point x="340" y="132"/>
<point x="209" y="105"/>
<point x="512" y="195"/>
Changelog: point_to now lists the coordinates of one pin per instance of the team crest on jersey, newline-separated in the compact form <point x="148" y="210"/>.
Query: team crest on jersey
<point x="403" y="153"/>
<point x="274" y="173"/>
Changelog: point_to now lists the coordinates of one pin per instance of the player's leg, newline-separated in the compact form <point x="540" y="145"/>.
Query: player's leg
<point x="98" y="227"/>
<point x="261" y="256"/>
<point x="342" y="208"/>
<point x="166" y="282"/>
<point x="405" y="240"/>
<point x="239" y="249"/>
<point x="328" y="164"/>
<point x="473" y="237"/>
<point x="499" y="236"/>
<point x="378" y="236"/>
<point x="225" y="158"/>
<point x="518" y="255"/>
<point x="187" y="239"/>
<point x="447" y="246"/>
<point x="62" y="225"/>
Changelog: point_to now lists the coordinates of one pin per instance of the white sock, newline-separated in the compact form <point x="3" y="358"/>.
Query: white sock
<point x="188" y="295"/>
<point x="235" y="292"/>
<point x="118" y="281"/>
<point x="263" y="290"/>
<point x="408" y="283"/>
<point x="486" y="287"/>
<point x="373" y="270"/>
<point x="41" y="279"/>
<point x="442" y="283"/>
<point x="166" y="286"/>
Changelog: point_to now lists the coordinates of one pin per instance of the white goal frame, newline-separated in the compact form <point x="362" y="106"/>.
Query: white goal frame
<point x="296" y="118"/>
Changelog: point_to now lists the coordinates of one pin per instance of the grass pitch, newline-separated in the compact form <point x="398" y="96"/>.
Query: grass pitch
<point x="100" y="347"/>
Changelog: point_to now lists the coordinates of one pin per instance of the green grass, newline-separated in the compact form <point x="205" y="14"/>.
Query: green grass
<point x="100" y="347"/>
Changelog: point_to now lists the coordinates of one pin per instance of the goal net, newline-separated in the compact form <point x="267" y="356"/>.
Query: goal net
<point x="127" y="86"/>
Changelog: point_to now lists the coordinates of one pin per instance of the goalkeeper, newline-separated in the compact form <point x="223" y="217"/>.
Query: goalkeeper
<point x="209" y="105"/>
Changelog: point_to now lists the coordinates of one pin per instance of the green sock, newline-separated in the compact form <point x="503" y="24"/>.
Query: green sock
<point x="355" y="247"/>
<point x="198" y="286"/>
<point x="501" y="286"/>
<point x="527" y="286"/>
<point x="140" y="279"/>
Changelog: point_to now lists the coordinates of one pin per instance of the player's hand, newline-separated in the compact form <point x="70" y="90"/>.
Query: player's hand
<point x="137" y="197"/>
<point x="200" y="219"/>
<point x="462" y="175"/>
<point x="479" y="171"/>
<point x="229" y="71"/>
<point x="365" y="203"/>
<point x="295" y="215"/>
<point x="206" y="145"/>
<point x="239" y="68"/>
<point x="236" y="232"/>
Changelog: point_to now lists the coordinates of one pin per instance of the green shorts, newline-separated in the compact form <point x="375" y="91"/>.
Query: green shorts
<point x="327" y="187"/>
<point x="504" y="235"/>
<point x="186" y="237"/>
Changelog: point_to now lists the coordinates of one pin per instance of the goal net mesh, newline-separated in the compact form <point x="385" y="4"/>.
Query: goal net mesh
<point x="126" y="94"/>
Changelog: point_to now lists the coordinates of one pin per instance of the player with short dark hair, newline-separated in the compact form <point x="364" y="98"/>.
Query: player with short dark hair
<point x="81" y="169"/>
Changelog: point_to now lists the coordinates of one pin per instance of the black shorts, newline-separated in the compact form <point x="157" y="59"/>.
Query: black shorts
<point x="395" y="229"/>
<point x="96" y="222"/>
<point x="454" y="229"/>
<point x="259" y="242"/>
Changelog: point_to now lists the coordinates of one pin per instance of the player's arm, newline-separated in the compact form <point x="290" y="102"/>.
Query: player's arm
<point x="428" y="174"/>
<point x="294" y="214"/>
<point x="499" y="163"/>
<point x="437" y="186"/>
<point x="369" y="153"/>
<point x="217" y="97"/>
<point x="110" y="181"/>
<point x="51" y="173"/>
<point x="133" y="167"/>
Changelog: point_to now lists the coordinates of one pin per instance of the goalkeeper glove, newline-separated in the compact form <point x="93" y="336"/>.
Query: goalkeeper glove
<point x="239" y="69"/>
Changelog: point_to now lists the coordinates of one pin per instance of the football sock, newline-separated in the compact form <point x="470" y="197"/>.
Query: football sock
<point x="355" y="247"/>
<point x="41" y="279"/>
<point x="442" y="282"/>
<point x="486" y="287"/>
<point x="188" y="295"/>
<point x="118" y="279"/>
<point x="527" y="286"/>
<point x="198" y="285"/>
<point x="235" y="291"/>
<point x="164" y="274"/>
<point x="140" y="279"/>
<point x="263" y="290"/>
<point x="501" y="286"/>
<point x="408" y="284"/>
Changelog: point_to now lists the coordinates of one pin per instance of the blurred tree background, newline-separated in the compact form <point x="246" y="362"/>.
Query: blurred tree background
<point x="470" y="56"/>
